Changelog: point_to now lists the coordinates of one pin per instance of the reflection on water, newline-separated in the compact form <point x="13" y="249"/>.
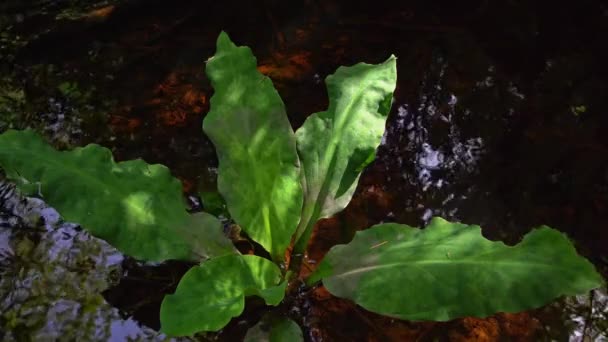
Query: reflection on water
<point x="426" y="142"/>
<point x="61" y="123"/>
<point x="585" y="317"/>
<point x="52" y="275"/>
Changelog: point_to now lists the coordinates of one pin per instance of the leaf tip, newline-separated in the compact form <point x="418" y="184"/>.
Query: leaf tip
<point x="223" y="41"/>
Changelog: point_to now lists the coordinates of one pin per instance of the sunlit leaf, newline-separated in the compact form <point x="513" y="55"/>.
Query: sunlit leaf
<point x="450" y="270"/>
<point x="211" y="294"/>
<point x="335" y="145"/>
<point x="259" y="171"/>
<point x="275" y="329"/>
<point x="135" y="206"/>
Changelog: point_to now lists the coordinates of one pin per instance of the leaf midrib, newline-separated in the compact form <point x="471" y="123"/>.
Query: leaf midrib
<point x="317" y="205"/>
<point x="443" y="262"/>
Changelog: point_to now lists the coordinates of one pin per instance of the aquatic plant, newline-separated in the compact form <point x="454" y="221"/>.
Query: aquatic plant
<point x="277" y="184"/>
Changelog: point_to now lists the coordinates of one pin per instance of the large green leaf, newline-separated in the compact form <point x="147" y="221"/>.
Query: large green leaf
<point x="135" y="206"/>
<point x="275" y="329"/>
<point x="211" y="294"/>
<point x="450" y="270"/>
<point x="259" y="172"/>
<point x="335" y="145"/>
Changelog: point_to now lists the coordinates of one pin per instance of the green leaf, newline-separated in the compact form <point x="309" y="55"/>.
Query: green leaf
<point x="214" y="203"/>
<point x="275" y="329"/>
<point x="259" y="172"/>
<point x="450" y="270"/>
<point x="205" y="235"/>
<point x="335" y="145"/>
<point x="135" y="206"/>
<point x="273" y="295"/>
<point x="211" y="294"/>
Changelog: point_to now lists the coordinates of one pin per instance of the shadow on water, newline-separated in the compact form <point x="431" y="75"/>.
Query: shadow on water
<point x="498" y="121"/>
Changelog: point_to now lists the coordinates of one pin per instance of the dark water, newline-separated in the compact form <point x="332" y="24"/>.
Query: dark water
<point x="498" y="120"/>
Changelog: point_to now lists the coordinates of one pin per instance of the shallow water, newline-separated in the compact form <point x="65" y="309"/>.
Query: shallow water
<point x="497" y="120"/>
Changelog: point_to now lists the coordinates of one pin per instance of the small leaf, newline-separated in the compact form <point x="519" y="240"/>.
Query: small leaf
<point x="214" y="203"/>
<point x="135" y="206"/>
<point x="211" y="294"/>
<point x="272" y="295"/>
<point x="259" y="172"/>
<point x="205" y="234"/>
<point x="335" y="145"/>
<point x="450" y="270"/>
<point x="275" y="329"/>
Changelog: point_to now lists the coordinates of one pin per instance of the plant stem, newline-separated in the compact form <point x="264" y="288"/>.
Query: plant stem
<point x="305" y="228"/>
